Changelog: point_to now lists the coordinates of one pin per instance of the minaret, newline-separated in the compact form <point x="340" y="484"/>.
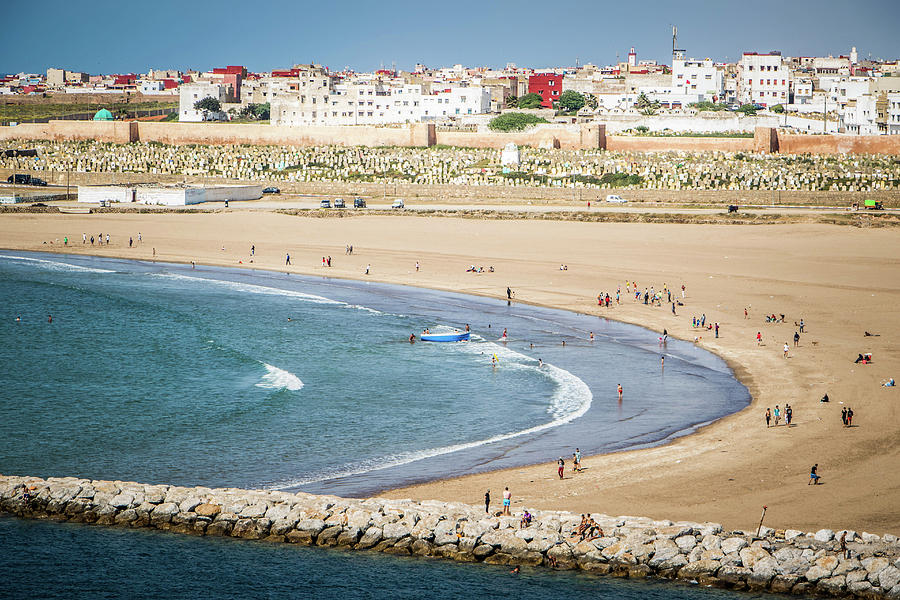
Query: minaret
<point x="632" y="58"/>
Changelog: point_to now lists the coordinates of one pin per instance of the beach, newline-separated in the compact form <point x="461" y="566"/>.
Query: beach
<point x="842" y="281"/>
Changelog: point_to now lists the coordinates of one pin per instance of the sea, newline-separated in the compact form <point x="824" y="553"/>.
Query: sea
<point x="168" y="373"/>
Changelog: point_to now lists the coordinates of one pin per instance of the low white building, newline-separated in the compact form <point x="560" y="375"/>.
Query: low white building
<point x="175" y="195"/>
<point x="190" y="93"/>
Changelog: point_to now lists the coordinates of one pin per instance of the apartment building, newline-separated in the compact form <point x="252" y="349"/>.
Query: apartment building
<point x="765" y="79"/>
<point x="697" y="78"/>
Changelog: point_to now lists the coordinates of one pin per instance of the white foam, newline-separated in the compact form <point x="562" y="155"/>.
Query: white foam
<point x="270" y="291"/>
<point x="279" y="379"/>
<point x="53" y="265"/>
<point x="571" y="399"/>
<point x="252" y="288"/>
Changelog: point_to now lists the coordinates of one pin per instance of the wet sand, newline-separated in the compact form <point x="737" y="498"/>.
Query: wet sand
<point x="842" y="281"/>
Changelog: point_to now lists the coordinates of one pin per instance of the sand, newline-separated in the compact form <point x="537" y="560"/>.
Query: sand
<point x="841" y="280"/>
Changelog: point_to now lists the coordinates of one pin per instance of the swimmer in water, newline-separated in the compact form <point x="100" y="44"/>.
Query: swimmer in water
<point x="412" y="338"/>
<point x="592" y="336"/>
<point x="18" y="318"/>
<point x="564" y="342"/>
<point x="504" y="333"/>
<point x="540" y="363"/>
<point x="662" y="361"/>
<point x="532" y="345"/>
<point x="467" y="327"/>
<point x="494" y="360"/>
<point x="49" y="318"/>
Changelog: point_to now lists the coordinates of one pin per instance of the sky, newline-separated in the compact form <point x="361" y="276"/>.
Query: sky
<point x="105" y="37"/>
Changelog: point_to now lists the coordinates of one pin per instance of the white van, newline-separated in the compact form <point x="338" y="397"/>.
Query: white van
<point x="615" y="198"/>
<point x="398" y="204"/>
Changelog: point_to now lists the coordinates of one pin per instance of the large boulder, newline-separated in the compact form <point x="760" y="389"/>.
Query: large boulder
<point x="734" y="574"/>
<point x="733" y="544"/>
<point x="888" y="577"/>
<point x="698" y="569"/>
<point x="833" y="586"/>
<point x="824" y="535"/>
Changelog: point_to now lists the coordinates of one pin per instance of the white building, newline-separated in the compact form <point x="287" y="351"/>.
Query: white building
<point x="697" y="78"/>
<point x="892" y="114"/>
<point x="377" y="103"/>
<point x="857" y="116"/>
<point x="190" y="93"/>
<point x="765" y="79"/>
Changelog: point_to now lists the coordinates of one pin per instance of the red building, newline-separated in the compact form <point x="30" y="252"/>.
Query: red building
<point x="548" y="85"/>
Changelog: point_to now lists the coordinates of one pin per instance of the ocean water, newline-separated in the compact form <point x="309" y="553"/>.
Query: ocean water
<point x="160" y="373"/>
<point x="224" y="377"/>
<point x="70" y="560"/>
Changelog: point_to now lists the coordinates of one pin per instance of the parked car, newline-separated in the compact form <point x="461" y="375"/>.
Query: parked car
<point x="615" y="198"/>
<point x="359" y="203"/>
<point x="19" y="179"/>
<point x="326" y="203"/>
<point x="271" y="190"/>
<point x="398" y="204"/>
<point x="38" y="181"/>
<point x="339" y="203"/>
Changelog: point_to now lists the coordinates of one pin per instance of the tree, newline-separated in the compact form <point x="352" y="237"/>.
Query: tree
<point x="645" y="106"/>
<point x="778" y="108"/>
<point x="514" y="122"/>
<point x="531" y="100"/>
<point x="256" y="111"/>
<point x="748" y="109"/>
<point x="512" y="101"/>
<point x="591" y="101"/>
<point x="209" y="104"/>
<point x="571" y="101"/>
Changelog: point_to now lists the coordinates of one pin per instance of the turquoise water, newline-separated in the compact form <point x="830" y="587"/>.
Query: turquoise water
<point x="217" y="377"/>
<point x="51" y="560"/>
<point x="161" y="373"/>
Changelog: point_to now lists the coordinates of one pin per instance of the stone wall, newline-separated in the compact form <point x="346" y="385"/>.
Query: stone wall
<point x="687" y="144"/>
<point x="779" y="561"/>
<point x="572" y="137"/>
<point x="99" y="99"/>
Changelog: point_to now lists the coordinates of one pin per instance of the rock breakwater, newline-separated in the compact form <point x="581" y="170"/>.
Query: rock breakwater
<point x="786" y="561"/>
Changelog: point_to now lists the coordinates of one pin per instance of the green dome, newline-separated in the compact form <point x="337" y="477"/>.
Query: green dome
<point x="103" y="115"/>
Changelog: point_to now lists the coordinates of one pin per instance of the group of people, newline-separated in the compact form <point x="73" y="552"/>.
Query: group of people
<point x="576" y="464"/>
<point x="776" y="415"/>
<point x="847" y="416"/>
<point x="588" y="529"/>
<point x="474" y="269"/>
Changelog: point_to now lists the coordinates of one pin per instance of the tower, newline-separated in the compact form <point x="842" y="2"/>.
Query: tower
<point x="632" y="58"/>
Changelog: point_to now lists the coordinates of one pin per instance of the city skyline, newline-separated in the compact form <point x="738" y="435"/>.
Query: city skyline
<point x="398" y="32"/>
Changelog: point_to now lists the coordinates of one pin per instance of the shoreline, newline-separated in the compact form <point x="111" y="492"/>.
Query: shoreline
<point x="696" y="446"/>
<point x="503" y="449"/>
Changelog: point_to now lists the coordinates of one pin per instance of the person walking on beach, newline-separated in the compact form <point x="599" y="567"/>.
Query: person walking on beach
<point x="796" y="339"/>
<point x="487" y="502"/>
<point x="786" y="348"/>
<point x="507" y="498"/>
<point x="577" y="459"/>
<point x="788" y="414"/>
<point x="368" y="266"/>
<point x="84" y="238"/>
<point x="417" y="266"/>
<point x="813" y="474"/>
<point x="849" y="417"/>
<point x="562" y="466"/>
<point x="287" y="259"/>
<point x="252" y="249"/>
<point x="758" y="338"/>
<point x="139" y="237"/>
<point x="717" y="329"/>
<point x="66" y="241"/>
<point x="801" y="326"/>
<point x="130" y="242"/>
<point x="768" y="417"/>
<point x="777" y="415"/>
<point x="508" y="293"/>
<point x="745" y="313"/>
<point x="107" y="239"/>
<point x="844" y="416"/>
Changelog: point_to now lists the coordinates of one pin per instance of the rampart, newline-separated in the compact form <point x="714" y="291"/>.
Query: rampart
<point x="785" y="561"/>
<point x="572" y="137"/>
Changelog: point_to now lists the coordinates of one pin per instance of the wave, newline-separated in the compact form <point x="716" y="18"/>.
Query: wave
<point x="52" y="265"/>
<point x="270" y="291"/>
<point x="279" y="379"/>
<point x="571" y="399"/>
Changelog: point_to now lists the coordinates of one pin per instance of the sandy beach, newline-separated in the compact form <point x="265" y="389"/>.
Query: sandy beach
<point x="842" y="281"/>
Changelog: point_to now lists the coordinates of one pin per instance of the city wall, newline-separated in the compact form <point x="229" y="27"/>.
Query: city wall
<point x="584" y="136"/>
<point x="78" y="98"/>
<point x="782" y="561"/>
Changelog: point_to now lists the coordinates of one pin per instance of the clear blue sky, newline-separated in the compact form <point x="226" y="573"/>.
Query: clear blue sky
<point x="109" y="37"/>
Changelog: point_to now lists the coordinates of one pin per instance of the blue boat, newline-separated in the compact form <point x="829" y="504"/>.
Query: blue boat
<point x="445" y="334"/>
